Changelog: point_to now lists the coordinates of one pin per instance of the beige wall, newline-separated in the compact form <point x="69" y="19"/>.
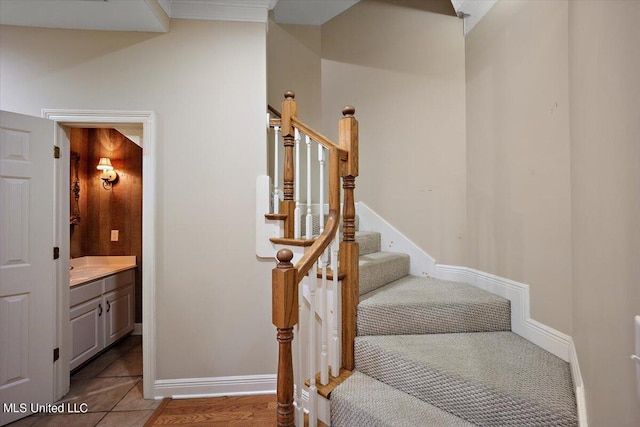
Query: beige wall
<point x="518" y="156"/>
<point x="206" y="83"/>
<point x="604" y="40"/>
<point x="293" y="63"/>
<point x="403" y="70"/>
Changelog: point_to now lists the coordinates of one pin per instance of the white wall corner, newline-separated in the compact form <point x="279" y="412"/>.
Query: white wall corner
<point x="472" y="11"/>
<point x="166" y="6"/>
<point x="578" y="385"/>
<point x="185" y="388"/>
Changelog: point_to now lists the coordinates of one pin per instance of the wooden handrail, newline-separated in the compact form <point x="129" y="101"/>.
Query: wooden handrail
<point x="318" y="137"/>
<point x="324" y="240"/>
<point x="343" y="162"/>
<point x="274" y="111"/>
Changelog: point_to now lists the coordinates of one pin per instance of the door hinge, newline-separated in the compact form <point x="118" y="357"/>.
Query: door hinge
<point x="56" y="152"/>
<point x="56" y="252"/>
<point x="56" y="354"/>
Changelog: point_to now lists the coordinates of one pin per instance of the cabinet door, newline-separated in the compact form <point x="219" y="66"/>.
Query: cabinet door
<point x="87" y="338"/>
<point x="119" y="313"/>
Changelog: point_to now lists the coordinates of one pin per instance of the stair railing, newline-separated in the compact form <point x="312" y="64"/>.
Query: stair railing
<point x="311" y="267"/>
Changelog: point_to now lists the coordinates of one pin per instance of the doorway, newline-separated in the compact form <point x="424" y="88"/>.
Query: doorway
<point x="139" y="127"/>
<point x="106" y="234"/>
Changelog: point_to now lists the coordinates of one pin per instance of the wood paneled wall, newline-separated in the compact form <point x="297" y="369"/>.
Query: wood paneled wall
<point x="119" y="208"/>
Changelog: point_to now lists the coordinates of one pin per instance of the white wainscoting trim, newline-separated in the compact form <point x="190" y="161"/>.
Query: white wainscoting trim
<point x="522" y="324"/>
<point x="422" y="264"/>
<point x="578" y="384"/>
<point x="184" y="388"/>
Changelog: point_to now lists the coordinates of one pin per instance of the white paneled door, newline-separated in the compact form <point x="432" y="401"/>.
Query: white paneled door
<point x="27" y="281"/>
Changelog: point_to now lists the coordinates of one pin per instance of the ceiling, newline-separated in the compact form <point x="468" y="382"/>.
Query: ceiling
<point x="155" y="15"/>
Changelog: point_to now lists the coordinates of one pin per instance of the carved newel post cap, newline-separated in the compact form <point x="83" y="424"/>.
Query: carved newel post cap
<point x="284" y="257"/>
<point x="289" y="94"/>
<point x="349" y="111"/>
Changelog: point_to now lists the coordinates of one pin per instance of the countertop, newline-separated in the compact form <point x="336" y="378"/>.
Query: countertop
<point x="86" y="269"/>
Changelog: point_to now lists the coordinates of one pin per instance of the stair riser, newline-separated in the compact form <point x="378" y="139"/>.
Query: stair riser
<point x="376" y="274"/>
<point x="472" y="402"/>
<point x="424" y="319"/>
<point x="369" y="242"/>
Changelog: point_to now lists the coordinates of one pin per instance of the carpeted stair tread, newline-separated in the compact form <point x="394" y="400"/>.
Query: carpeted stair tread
<point x="420" y="305"/>
<point x="487" y="378"/>
<point x="369" y="242"/>
<point x="364" y="401"/>
<point x="379" y="268"/>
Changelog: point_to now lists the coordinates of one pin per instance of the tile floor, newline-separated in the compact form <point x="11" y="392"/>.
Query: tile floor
<point x="111" y="386"/>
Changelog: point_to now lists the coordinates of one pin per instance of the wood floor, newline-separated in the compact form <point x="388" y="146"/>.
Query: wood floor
<point x="230" y="411"/>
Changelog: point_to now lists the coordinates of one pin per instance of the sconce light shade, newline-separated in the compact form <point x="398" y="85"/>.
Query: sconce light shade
<point x="108" y="174"/>
<point x="105" y="164"/>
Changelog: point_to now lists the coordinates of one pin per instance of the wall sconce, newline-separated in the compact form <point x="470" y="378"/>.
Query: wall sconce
<point x="108" y="174"/>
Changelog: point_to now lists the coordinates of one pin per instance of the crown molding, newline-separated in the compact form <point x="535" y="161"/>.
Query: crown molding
<point x="221" y="10"/>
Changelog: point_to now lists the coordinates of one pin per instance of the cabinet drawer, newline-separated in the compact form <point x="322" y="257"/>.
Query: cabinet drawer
<point x="119" y="280"/>
<point x="85" y="292"/>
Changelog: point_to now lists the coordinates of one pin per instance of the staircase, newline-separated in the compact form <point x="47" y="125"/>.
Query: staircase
<point x="430" y="352"/>
<point x="390" y="348"/>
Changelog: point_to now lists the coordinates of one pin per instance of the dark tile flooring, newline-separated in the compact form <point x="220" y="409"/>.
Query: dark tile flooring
<point x="111" y="386"/>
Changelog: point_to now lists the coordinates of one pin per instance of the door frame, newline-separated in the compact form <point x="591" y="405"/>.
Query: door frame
<point x="112" y="118"/>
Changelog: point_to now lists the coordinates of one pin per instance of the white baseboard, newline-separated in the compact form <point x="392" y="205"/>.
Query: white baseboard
<point x="137" y="329"/>
<point x="578" y="384"/>
<point x="215" y="386"/>
<point x="422" y="264"/>
<point x="522" y="324"/>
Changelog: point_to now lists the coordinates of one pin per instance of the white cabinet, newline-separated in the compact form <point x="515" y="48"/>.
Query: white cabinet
<point x="119" y="314"/>
<point x="86" y="331"/>
<point x="102" y="311"/>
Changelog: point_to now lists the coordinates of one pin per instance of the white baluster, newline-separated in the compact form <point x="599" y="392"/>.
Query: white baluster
<point x="313" y="392"/>
<point x="299" y="415"/>
<point x="276" y="197"/>
<point x="321" y="160"/>
<point x="309" y="216"/>
<point x="324" y="356"/>
<point x="297" y="233"/>
<point x="336" y="310"/>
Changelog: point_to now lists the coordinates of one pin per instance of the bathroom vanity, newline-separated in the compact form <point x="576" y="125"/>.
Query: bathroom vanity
<point x="102" y="303"/>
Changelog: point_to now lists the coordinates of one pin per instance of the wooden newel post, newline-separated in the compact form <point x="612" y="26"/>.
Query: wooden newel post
<point x="349" y="248"/>
<point x="284" y="307"/>
<point x="288" y="204"/>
